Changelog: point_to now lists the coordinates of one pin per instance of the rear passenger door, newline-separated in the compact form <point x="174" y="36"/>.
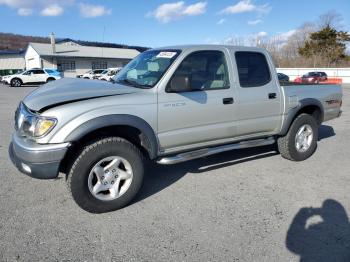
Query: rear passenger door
<point x="259" y="97"/>
<point x="38" y="76"/>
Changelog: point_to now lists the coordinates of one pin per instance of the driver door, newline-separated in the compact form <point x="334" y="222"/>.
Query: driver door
<point x="26" y="76"/>
<point x="197" y="106"/>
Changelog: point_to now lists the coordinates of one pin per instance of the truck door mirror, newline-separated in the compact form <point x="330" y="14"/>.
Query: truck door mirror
<point x="179" y="84"/>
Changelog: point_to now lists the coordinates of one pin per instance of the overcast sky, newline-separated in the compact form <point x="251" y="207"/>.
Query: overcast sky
<point x="160" y="23"/>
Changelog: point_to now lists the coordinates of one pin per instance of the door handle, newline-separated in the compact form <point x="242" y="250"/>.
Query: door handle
<point x="227" y="100"/>
<point x="272" y="95"/>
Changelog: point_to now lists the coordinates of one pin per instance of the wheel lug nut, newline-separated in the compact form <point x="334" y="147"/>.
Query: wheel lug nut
<point x="116" y="176"/>
<point x="113" y="170"/>
<point x="106" y="171"/>
<point x="112" y="182"/>
<point x="105" y="183"/>
<point x="102" y="177"/>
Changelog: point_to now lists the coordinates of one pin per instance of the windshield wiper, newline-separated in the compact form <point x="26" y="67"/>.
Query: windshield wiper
<point x="132" y="83"/>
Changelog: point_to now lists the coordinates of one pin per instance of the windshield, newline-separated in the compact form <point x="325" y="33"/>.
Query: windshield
<point x="146" y="69"/>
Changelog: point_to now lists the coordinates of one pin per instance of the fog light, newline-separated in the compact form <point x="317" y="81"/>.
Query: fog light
<point x="26" y="168"/>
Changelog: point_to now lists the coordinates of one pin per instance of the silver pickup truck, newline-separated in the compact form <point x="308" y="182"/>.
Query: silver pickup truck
<point x="167" y="105"/>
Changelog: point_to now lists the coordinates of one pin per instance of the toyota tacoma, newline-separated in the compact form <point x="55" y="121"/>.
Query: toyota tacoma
<point x="167" y="105"/>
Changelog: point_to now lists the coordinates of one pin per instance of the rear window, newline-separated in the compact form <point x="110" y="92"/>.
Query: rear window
<point x="253" y="69"/>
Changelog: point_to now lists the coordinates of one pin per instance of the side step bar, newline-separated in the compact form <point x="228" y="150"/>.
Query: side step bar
<point x="182" y="157"/>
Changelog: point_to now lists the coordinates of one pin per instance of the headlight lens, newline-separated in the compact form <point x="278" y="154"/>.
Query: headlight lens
<point x="30" y="124"/>
<point x="44" y="126"/>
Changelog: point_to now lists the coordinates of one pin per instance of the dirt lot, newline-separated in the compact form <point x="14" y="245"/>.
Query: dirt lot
<point x="249" y="205"/>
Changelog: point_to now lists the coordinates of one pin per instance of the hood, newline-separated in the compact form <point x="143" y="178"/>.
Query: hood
<point x="69" y="90"/>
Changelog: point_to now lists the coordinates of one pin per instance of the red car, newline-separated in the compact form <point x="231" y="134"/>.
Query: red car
<point x="314" y="77"/>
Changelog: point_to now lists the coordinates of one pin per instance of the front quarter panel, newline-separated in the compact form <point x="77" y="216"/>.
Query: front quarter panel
<point x="71" y="116"/>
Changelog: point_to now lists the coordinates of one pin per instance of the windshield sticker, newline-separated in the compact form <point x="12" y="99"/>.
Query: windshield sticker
<point x="166" y="54"/>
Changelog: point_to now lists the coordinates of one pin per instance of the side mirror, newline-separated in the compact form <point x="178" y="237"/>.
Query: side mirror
<point x="179" y="84"/>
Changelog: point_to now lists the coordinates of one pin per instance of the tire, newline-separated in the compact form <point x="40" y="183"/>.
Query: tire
<point x="50" y="80"/>
<point x="86" y="78"/>
<point x="289" y="146"/>
<point x="16" y="82"/>
<point x="81" y="177"/>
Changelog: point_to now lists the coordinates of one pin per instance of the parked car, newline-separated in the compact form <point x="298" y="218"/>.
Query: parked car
<point x="111" y="72"/>
<point x="167" y="105"/>
<point x="32" y="76"/>
<point x="92" y="74"/>
<point x="282" y="77"/>
<point x="314" y="77"/>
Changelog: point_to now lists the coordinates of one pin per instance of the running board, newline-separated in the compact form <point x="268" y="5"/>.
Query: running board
<point x="214" y="150"/>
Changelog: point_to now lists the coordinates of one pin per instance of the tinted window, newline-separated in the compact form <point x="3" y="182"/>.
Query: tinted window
<point x="205" y="70"/>
<point x="28" y="72"/>
<point x="253" y="69"/>
<point x="65" y="65"/>
<point x="38" y="72"/>
<point x="99" y="65"/>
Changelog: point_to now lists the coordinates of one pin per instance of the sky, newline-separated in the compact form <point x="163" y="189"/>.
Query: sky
<point x="155" y="23"/>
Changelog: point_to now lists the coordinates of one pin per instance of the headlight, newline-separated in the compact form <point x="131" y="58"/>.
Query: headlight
<point x="30" y="124"/>
<point x="44" y="126"/>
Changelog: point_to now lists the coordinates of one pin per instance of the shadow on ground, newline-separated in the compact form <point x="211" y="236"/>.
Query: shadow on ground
<point x="320" y="234"/>
<point x="325" y="131"/>
<point x="160" y="177"/>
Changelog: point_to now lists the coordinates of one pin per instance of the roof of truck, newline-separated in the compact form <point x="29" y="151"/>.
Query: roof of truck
<point x="207" y="46"/>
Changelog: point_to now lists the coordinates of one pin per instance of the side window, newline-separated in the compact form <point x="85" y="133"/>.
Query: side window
<point x="202" y="70"/>
<point x="28" y="72"/>
<point x="38" y="72"/>
<point x="253" y="69"/>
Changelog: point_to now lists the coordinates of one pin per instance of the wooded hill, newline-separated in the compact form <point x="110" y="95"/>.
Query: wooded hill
<point x="13" y="42"/>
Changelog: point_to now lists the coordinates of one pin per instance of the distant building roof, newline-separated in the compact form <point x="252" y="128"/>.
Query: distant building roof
<point x="100" y="44"/>
<point x="78" y="50"/>
<point x="11" y="52"/>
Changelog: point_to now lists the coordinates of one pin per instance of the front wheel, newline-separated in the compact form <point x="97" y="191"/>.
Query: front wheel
<point x="107" y="175"/>
<point x="301" y="140"/>
<point x="16" y="82"/>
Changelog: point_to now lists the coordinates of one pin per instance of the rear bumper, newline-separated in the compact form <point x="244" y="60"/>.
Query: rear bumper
<point x="35" y="160"/>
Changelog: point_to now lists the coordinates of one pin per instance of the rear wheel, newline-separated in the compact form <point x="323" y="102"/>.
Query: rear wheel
<point x="301" y="140"/>
<point x="16" y="82"/>
<point x="50" y="80"/>
<point x="107" y="175"/>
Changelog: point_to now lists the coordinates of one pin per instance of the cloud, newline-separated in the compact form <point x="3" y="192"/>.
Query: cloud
<point x="245" y="6"/>
<point x="55" y="7"/>
<point x="254" y="22"/>
<point x="90" y="11"/>
<point x="261" y="34"/>
<point x="285" y="35"/>
<point x="52" y="10"/>
<point x="24" y="11"/>
<point x="221" y="21"/>
<point x="174" y="11"/>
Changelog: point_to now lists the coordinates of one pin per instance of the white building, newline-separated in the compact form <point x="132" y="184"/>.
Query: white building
<point x="11" y="62"/>
<point x="72" y="58"/>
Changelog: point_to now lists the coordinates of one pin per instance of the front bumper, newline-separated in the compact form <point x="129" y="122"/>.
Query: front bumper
<point x="37" y="160"/>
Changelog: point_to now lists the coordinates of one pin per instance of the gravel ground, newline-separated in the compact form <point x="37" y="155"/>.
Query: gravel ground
<point x="249" y="205"/>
